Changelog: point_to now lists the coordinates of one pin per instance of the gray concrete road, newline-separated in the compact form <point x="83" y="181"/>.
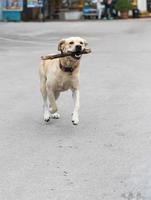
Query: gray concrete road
<point x="108" y="155"/>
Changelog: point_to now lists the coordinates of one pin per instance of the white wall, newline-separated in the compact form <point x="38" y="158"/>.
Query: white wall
<point x="142" y="5"/>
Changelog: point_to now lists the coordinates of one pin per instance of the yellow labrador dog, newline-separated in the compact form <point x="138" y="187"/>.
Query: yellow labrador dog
<point x="61" y="74"/>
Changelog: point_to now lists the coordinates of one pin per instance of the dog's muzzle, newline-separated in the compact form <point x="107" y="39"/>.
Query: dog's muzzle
<point x="77" y="53"/>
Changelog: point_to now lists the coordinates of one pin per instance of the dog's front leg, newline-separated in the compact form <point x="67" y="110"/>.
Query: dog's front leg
<point x="51" y="97"/>
<point x="56" y="115"/>
<point x="76" y="99"/>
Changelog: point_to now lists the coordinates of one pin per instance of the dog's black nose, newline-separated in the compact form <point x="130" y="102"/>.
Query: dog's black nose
<point x="78" y="48"/>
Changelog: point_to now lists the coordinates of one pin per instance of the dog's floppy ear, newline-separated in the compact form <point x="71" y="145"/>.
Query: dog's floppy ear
<point x="61" y="45"/>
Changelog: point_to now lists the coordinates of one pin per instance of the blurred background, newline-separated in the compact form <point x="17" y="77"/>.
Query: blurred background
<point x="42" y="10"/>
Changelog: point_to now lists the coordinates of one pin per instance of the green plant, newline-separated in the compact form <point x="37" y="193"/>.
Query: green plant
<point x="123" y="5"/>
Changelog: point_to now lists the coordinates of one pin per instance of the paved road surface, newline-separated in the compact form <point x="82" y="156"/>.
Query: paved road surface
<point x="106" y="157"/>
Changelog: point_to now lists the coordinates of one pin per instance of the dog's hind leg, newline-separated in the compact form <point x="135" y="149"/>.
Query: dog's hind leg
<point x="56" y="94"/>
<point x="43" y="90"/>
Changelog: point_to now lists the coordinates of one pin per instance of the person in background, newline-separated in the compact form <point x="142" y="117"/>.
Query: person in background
<point x="114" y="11"/>
<point x="100" y="8"/>
<point x="108" y="9"/>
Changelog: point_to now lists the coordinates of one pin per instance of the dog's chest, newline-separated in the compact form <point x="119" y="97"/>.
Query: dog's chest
<point x="64" y="83"/>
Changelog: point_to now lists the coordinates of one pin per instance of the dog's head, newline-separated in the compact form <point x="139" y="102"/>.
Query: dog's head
<point x="73" y="44"/>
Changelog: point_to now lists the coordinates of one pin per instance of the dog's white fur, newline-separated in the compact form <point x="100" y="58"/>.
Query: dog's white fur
<point x="53" y="80"/>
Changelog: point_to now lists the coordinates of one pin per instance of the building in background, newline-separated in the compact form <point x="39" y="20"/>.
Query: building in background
<point x="28" y="10"/>
<point x="1" y="11"/>
<point x="12" y="10"/>
<point x="143" y="5"/>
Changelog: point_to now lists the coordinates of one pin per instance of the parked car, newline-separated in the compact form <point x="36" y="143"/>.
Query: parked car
<point x="89" y="10"/>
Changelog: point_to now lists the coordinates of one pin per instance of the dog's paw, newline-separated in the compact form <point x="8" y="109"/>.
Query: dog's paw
<point x="55" y="115"/>
<point x="75" y="119"/>
<point x="46" y="116"/>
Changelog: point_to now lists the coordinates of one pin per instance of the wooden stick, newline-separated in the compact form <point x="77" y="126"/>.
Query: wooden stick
<point x="85" y="51"/>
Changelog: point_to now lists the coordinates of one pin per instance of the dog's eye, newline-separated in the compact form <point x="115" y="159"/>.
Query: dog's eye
<point x="81" y="43"/>
<point x="71" y="42"/>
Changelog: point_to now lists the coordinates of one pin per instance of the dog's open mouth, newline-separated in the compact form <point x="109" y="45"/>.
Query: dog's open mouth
<point x="76" y="55"/>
